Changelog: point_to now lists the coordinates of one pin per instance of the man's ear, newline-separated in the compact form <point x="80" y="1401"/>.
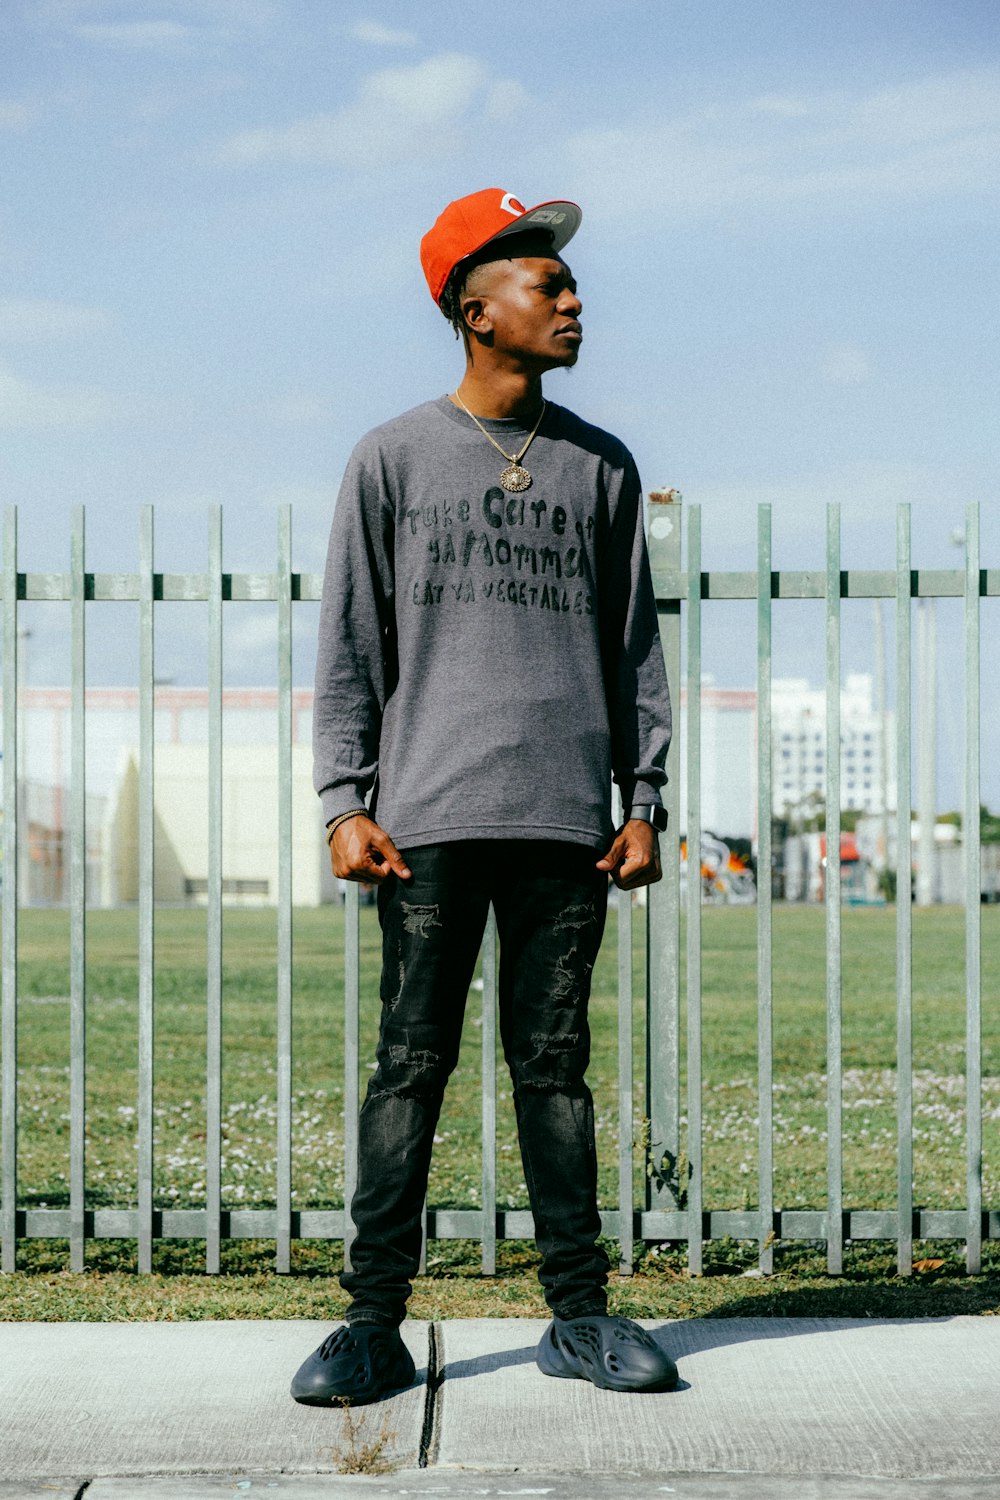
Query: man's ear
<point x="475" y="312"/>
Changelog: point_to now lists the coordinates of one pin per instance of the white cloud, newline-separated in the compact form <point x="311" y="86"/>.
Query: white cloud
<point x="377" y="35"/>
<point x="164" y="101"/>
<point x="398" y="114"/>
<point x="935" y="109"/>
<point x="26" y="320"/>
<point x="505" y="99"/>
<point x="134" y="35"/>
<point x="27" y="406"/>
<point x="868" y="492"/>
<point x="294" y="410"/>
<point x="435" y="90"/>
<point x="849" y="151"/>
<point x="788" y="106"/>
<point x="15" y="115"/>
<point x="846" y="364"/>
<point x="173" y="24"/>
<point x="201" y="12"/>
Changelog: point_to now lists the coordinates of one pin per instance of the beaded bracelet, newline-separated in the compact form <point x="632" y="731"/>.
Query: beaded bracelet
<point x="357" y="812"/>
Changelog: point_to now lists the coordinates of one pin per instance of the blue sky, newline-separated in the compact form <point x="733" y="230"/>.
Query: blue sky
<point x="209" y="284"/>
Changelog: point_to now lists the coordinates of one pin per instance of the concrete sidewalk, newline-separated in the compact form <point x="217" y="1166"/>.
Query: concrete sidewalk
<point x="782" y="1408"/>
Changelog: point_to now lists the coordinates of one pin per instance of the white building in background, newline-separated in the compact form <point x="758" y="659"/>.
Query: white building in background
<point x="728" y="761"/>
<point x="180" y="728"/>
<point x="798" y="722"/>
<point x="249" y="829"/>
<point x="250" y="717"/>
<point x="798" y="726"/>
<point x="250" y="725"/>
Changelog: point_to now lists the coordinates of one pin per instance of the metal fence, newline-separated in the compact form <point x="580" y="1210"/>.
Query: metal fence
<point x="668" y="1212"/>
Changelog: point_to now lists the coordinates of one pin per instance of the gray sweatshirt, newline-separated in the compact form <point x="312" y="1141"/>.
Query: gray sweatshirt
<point x="488" y="660"/>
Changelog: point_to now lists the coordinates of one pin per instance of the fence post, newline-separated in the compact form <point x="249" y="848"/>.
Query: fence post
<point x="904" y="911"/>
<point x="834" y="1085"/>
<point x="626" y="1195"/>
<point x="692" y="893"/>
<point x="8" y="1226"/>
<point x="488" y="1196"/>
<point x="147" y="823"/>
<point x="663" y="911"/>
<point x="283" y="1184"/>
<point x="973" y="910"/>
<point x="213" y="1020"/>
<point x="765" y="800"/>
<point x="78" y="900"/>
<point x="352" y="991"/>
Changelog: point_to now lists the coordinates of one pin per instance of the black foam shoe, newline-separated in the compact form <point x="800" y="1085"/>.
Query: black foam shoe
<point x="354" y="1365"/>
<point x="614" y="1354"/>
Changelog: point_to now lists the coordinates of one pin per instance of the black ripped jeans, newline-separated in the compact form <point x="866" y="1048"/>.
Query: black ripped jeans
<point x="550" y="906"/>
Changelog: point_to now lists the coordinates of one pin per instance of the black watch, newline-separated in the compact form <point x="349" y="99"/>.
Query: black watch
<point x="650" y="812"/>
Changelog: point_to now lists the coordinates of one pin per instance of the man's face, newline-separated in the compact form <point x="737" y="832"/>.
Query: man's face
<point x="527" y="308"/>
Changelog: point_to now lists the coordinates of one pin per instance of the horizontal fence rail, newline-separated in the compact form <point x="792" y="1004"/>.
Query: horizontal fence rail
<point x="678" y="1192"/>
<point x="670" y="584"/>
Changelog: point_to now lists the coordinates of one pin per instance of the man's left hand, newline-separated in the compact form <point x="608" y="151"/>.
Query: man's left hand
<point x="634" y="858"/>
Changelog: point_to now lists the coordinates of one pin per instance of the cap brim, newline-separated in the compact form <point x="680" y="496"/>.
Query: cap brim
<point x="561" y="219"/>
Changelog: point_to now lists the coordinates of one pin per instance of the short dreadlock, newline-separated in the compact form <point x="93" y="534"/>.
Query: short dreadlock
<point x="451" y="298"/>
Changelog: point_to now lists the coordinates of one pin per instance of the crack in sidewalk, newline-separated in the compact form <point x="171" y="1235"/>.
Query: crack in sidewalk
<point x="429" y="1432"/>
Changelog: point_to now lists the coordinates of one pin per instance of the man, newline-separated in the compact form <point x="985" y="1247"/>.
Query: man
<point x="488" y="656"/>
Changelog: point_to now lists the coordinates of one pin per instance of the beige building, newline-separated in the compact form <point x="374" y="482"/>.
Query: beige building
<point x="249" y="829"/>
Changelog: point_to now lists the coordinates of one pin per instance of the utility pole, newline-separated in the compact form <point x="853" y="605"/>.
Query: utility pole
<point x="927" y="760"/>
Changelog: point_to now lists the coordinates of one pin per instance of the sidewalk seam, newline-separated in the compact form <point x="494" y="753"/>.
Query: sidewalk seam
<point x="435" y="1379"/>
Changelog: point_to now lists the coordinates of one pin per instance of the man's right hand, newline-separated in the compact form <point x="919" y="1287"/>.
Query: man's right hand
<point x="361" y="850"/>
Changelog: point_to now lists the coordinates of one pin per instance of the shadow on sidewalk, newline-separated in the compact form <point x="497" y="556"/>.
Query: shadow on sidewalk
<point x="686" y="1337"/>
<point x="505" y="1359"/>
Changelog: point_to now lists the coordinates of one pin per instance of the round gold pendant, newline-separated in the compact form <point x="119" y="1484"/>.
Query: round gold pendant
<point x="515" y="478"/>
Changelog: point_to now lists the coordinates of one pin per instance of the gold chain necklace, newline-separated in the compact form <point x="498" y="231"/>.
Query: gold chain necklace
<point x="514" y="478"/>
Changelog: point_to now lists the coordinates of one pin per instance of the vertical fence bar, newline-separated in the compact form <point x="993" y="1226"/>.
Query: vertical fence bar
<point x="352" y="989"/>
<point x="283" y="1247"/>
<point x="78" y="898"/>
<point x="663" y="910"/>
<point x="422" y="1263"/>
<point x="693" y="890"/>
<point x="213" y="916"/>
<point x="834" y="1036"/>
<point x="8" y="1219"/>
<point x="623" y="906"/>
<point x="973" y="911"/>
<point x="489" y="1070"/>
<point x="904" y="907"/>
<point x="765" y="1159"/>
<point x="144" y="1101"/>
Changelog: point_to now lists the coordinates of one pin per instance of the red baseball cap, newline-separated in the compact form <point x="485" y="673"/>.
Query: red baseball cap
<point x="469" y="223"/>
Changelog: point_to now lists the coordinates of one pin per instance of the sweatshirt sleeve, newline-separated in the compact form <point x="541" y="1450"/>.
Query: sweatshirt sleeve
<point x="356" y="649"/>
<point x="637" y="691"/>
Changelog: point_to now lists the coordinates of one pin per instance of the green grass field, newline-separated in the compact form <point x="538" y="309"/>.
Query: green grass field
<point x="249" y="1097"/>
